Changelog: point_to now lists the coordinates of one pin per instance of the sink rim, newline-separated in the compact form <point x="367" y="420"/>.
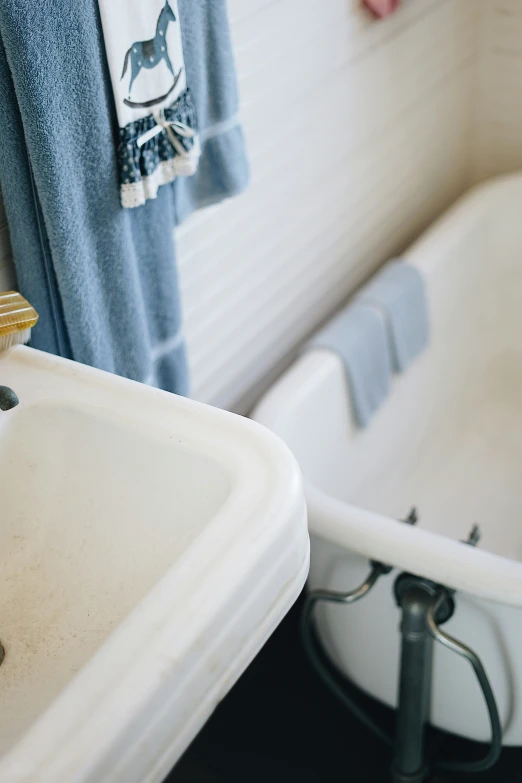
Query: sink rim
<point x="261" y="467"/>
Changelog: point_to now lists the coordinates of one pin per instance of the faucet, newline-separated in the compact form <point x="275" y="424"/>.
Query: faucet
<point x="8" y="398"/>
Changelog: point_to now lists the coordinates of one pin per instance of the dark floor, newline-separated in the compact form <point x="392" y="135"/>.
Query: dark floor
<point x="280" y="724"/>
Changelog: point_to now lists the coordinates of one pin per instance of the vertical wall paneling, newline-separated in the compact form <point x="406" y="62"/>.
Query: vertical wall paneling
<point x="498" y="116"/>
<point x="358" y="133"/>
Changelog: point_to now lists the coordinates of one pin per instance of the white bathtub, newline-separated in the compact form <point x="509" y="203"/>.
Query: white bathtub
<point x="448" y="441"/>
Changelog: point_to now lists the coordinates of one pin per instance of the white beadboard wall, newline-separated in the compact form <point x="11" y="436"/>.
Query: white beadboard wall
<point x="498" y="121"/>
<point x="360" y="132"/>
<point x="359" y="135"/>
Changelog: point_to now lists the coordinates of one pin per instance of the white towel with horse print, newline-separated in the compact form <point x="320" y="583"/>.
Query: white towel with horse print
<point x="158" y="130"/>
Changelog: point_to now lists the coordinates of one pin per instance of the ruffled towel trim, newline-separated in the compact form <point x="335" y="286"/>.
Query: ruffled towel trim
<point x="146" y="166"/>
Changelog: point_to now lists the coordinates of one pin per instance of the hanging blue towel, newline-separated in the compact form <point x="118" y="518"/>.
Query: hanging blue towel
<point x="223" y="169"/>
<point x="358" y="335"/>
<point x="103" y="278"/>
<point x="398" y="291"/>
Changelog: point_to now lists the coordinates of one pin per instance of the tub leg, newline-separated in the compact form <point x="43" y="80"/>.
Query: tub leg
<point x="415" y="598"/>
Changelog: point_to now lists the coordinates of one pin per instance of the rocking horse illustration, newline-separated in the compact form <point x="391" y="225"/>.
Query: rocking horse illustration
<point x="148" y="54"/>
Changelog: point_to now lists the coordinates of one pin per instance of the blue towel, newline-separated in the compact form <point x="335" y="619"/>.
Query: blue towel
<point x="358" y="335"/>
<point x="398" y="291"/>
<point x="103" y="278"/>
<point x="223" y="169"/>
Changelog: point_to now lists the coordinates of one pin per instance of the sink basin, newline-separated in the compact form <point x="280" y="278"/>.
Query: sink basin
<point x="149" y="545"/>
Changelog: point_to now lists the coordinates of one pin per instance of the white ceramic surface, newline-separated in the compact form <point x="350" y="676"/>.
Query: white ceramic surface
<point x="149" y="545"/>
<point x="448" y="441"/>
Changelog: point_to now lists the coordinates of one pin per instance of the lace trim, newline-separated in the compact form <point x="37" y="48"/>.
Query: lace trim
<point x="134" y="194"/>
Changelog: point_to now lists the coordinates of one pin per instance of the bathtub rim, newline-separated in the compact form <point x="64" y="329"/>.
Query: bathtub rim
<point x="473" y="570"/>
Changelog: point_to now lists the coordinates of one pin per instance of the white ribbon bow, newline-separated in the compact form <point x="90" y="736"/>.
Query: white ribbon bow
<point x="173" y="128"/>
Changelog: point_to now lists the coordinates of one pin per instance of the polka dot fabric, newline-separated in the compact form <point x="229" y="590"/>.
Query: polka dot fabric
<point x="143" y="169"/>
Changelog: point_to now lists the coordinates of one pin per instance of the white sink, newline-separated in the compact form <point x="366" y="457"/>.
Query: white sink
<point x="149" y="545"/>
